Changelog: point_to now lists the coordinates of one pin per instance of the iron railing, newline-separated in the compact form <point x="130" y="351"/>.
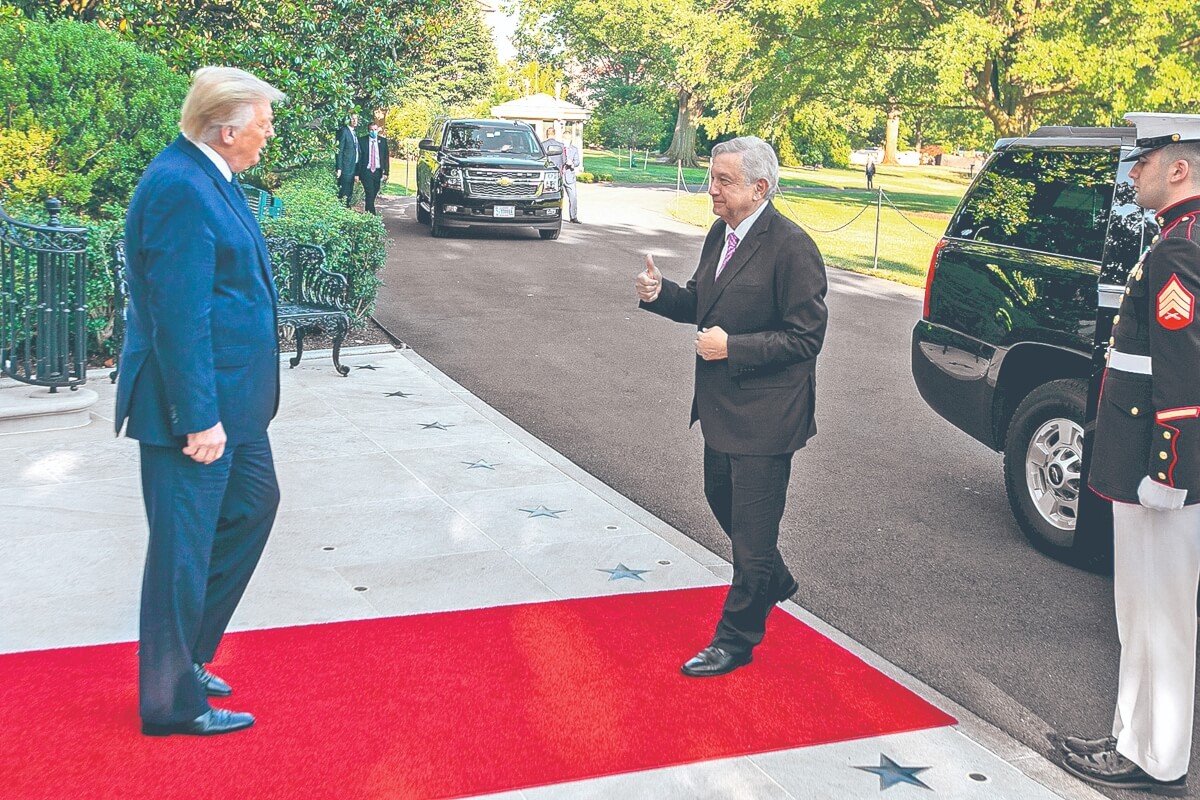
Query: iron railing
<point x="43" y="302"/>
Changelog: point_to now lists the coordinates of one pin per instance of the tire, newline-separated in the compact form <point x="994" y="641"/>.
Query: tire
<point x="545" y="234"/>
<point x="435" y="224"/>
<point x="1043" y="456"/>
<point x="422" y="214"/>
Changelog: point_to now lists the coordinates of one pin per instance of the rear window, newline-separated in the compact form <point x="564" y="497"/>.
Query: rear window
<point x="1053" y="201"/>
<point x="483" y="139"/>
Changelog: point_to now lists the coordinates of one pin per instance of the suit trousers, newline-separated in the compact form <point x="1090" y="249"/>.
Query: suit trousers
<point x="346" y="187"/>
<point x="747" y="495"/>
<point x="371" y="181"/>
<point x="208" y="527"/>
<point x="1155" y="574"/>
<point x="572" y="199"/>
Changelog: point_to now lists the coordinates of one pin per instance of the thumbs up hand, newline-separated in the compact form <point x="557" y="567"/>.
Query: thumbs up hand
<point x="649" y="281"/>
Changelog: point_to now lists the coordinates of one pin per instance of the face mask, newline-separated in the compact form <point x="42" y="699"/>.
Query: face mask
<point x="374" y="134"/>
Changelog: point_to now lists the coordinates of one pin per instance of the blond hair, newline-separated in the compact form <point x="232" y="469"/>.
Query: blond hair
<point x="220" y="97"/>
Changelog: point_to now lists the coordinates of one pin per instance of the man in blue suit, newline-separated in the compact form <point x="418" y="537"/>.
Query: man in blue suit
<point x="199" y="385"/>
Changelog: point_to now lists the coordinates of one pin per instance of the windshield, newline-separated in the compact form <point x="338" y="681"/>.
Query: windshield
<point x="491" y="140"/>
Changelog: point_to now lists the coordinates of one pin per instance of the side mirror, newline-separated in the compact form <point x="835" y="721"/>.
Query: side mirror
<point x="553" y="149"/>
<point x="427" y="144"/>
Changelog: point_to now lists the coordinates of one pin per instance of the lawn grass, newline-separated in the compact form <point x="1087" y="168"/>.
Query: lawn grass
<point x="904" y="250"/>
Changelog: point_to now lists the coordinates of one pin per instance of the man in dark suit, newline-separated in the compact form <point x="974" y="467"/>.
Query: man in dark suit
<point x="870" y="173"/>
<point x="199" y="385"/>
<point x="757" y="299"/>
<point x="346" y="163"/>
<point x="373" y="164"/>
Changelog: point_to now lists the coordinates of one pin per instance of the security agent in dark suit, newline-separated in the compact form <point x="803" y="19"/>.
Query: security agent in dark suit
<point x="346" y="163"/>
<point x="757" y="299"/>
<point x="1146" y="459"/>
<point x="373" y="164"/>
<point x="199" y="384"/>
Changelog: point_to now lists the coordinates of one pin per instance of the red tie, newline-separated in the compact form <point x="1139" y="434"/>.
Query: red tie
<point x="733" y="243"/>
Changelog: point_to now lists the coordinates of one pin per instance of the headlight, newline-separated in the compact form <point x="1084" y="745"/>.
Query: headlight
<point x="550" y="182"/>
<point x="454" y="178"/>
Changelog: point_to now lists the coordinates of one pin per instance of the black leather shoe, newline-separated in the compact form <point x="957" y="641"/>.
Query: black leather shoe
<point x="211" y="723"/>
<point x="787" y="593"/>
<point x="1110" y="768"/>
<point x="213" y="686"/>
<point x="713" y="661"/>
<point x="577" y="222"/>
<point x="1081" y="746"/>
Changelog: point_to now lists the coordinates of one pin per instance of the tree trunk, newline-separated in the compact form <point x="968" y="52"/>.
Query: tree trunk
<point x="683" y="141"/>
<point x="892" y="138"/>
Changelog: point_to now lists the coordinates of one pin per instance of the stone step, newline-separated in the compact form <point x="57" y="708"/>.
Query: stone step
<point x="24" y="408"/>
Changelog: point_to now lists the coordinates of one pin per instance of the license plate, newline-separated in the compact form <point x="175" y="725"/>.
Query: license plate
<point x="503" y="211"/>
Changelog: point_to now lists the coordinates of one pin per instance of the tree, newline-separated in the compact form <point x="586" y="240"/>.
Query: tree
<point x="632" y="126"/>
<point x="327" y="56"/>
<point x="694" y="48"/>
<point x="83" y="112"/>
<point x="459" y="64"/>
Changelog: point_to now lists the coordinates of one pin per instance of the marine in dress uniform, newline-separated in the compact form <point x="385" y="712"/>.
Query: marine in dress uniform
<point x="1147" y="461"/>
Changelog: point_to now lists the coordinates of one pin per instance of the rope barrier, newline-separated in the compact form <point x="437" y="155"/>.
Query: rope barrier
<point x="796" y="217"/>
<point x="904" y="217"/>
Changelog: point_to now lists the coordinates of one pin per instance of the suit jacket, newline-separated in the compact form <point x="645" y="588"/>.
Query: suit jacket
<point x="770" y="299"/>
<point x="347" y="153"/>
<point x="200" y="336"/>
<point x="1148" y="420"/>
<point x="572" y="160"/>
<point x="364" y="155"/>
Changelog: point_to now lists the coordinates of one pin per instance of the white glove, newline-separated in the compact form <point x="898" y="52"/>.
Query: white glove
<point x="1160" y="497"/>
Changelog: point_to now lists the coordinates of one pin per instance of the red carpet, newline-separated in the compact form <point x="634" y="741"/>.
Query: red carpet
<point x="444" y="705"/>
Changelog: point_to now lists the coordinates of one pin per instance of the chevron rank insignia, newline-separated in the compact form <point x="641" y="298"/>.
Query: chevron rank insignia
<point x="1176" y="305"/>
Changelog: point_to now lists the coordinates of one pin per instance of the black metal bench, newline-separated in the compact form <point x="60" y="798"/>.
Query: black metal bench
<point x="312" y="299"/>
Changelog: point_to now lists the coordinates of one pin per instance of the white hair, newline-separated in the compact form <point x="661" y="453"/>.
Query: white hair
<point x="758" y="160"/>
<point x="220" y="97"/>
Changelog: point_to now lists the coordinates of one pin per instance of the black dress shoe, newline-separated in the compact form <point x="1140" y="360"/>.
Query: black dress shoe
<point x="1110" y="768"/>
<point x="576" y="221"/>
<point x="787" y="592"/>
<point x="713" y="661"/>
<point x="1081" y="746"/>
<point x="213" y="686"/>
<point x="211" y="723"/>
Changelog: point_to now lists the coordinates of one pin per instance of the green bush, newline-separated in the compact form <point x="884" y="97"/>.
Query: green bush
<point x="355" y="243"/>
<point x="585" y="177"/>
<point x="84" y="113"/>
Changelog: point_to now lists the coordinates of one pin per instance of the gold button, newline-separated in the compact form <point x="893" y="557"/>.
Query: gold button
<point x="1166" y="434"/>
<point x="1116" y="319"/>
<point x="1162" y="454"/>
<point x="1134" y="411"/>
<point x="1162" y="476"/>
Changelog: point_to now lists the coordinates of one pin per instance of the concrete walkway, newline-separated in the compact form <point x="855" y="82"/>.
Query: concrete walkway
<point x="396" y="483"/>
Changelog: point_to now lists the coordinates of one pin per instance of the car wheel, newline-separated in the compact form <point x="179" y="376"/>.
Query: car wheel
<point x="1043" y="457"/>
<point x="551" y="234"/>
<point x="422" y="214"/>
<point x="435" y="220"/>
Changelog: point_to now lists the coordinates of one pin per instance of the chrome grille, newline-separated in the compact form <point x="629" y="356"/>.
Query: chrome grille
<point x="503" y="184"/>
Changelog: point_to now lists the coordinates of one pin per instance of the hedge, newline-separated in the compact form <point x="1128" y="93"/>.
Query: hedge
<point x="355" y="243"/>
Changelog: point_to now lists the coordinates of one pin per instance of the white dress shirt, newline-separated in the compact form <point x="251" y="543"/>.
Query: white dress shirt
<point x="216" y="158"/>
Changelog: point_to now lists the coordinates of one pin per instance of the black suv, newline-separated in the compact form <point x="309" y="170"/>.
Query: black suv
<point x="1019" y="302"/>
<point x="488" y="172"/>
